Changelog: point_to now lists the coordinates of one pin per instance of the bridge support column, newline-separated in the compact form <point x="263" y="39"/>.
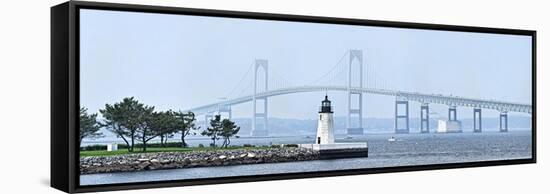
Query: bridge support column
<point x="355" y="128"/>
<point x="225" y="109"/>
<point x="263" y="130"/>
<point x="452" y="113"/>
<point x="424" y="118"/>
<point x="477" y="120"/>
<point x="405" y="116"/>
<point x="207" y="118"/>
<point x="504" y="122"/>
<point x="260" y="128"/>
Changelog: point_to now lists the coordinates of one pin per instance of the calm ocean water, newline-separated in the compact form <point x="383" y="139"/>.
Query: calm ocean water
<point x="409" y="149"/>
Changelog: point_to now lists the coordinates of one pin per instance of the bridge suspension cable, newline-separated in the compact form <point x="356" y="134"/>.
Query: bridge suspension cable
<point x="375" y="80"/>
<point x="240" y="81"/>
<point x="330" y="73"/>
<point x="278" y="81"/>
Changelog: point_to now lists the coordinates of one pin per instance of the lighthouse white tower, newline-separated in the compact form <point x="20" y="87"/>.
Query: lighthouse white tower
<point x="324" y="142"/>
<point x="325" y="125"/>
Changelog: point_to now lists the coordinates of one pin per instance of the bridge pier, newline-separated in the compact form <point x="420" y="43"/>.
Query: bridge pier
<point x="477" y="120"/>
<point x="452" y="113"/>
<point x="260" y="128"/>
<point x="263" y="131"/>
<point x="503" y="122"/>
<point x="424" y="118"/>
<point x="404" y="116"/>
<point x="225" y="109"/>
<point x="207" y="117"/>
<point x="355" y="112"/>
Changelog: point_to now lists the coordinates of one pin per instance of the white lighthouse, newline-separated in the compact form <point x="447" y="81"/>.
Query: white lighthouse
<point x="325" y="125"/>
<point x="324" y="142"/>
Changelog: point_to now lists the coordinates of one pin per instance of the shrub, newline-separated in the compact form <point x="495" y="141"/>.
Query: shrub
<point x="200" y="145"/>
<point x="152" y="145"/>
<point x="248" y="145"/>
<point x="290" y="145"/>
<point x="93" y="148"/>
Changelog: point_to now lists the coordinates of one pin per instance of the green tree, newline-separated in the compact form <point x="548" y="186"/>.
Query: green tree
<point x="214" y="130"/>
<point x="229" y="129"/>
<point x="167" y="120"/>
<point x="126" y="119"/>
<point x="164" y="124"/>
<point x="185" y="123"/>
<point x="89" y="127"/>
<point x="147" y="128"/>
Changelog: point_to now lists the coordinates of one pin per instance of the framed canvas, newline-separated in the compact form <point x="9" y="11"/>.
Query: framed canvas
<point x="149" y="96"/>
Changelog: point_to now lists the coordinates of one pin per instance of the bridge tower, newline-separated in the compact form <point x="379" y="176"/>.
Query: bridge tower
<point x="477" y="120"/>
<point x="503" y="121"/>
<point x="424" y="118"/>
<point x="355" y="96"/>
<point x="262" y="130"/>
<point x="207" y="117"/>
<point x="452" y="113"/>
<point x="405" y="116"/>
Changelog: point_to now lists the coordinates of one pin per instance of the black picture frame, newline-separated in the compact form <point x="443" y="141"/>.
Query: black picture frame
<point x="65" y="95"/>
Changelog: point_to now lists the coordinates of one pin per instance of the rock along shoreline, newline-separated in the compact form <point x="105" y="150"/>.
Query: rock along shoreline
<point x="174" y="160"/>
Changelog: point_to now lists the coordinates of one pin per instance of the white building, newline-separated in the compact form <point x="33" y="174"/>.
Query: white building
<point x="446" y="126"/>
<point x="325" y="125"/>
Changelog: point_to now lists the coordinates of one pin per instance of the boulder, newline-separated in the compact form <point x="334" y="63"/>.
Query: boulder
<point x="144" y="165"/>
<point x="171" y="160"/>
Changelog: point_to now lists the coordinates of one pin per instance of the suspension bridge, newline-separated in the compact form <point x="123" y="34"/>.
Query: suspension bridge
<point x="351" y="73"/>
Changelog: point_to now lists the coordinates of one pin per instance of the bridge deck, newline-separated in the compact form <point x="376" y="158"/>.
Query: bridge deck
<point x="411" y="96"/>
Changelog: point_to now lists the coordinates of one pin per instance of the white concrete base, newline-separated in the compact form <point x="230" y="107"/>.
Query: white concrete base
<point x="339" y="150"/>
<point x="335" y="146"/>
<point x="445" y="126"/>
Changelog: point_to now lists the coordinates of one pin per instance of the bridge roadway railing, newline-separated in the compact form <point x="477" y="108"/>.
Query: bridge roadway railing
<point x="411" y="96"/>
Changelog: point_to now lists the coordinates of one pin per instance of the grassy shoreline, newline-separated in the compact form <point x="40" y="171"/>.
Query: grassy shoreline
<point x="167" y="149"/>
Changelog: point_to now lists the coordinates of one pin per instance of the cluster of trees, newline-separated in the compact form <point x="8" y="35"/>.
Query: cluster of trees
<point x="136" y="122"/>
<point x="221" y="129"/>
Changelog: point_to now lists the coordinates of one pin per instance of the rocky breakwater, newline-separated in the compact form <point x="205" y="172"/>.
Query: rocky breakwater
<point x="172" y="160"/>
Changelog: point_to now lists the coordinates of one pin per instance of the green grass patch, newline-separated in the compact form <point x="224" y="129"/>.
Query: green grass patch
<point x="166" y="149"/>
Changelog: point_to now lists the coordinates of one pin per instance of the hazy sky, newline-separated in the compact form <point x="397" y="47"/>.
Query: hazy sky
<point x="180" y="62"/>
